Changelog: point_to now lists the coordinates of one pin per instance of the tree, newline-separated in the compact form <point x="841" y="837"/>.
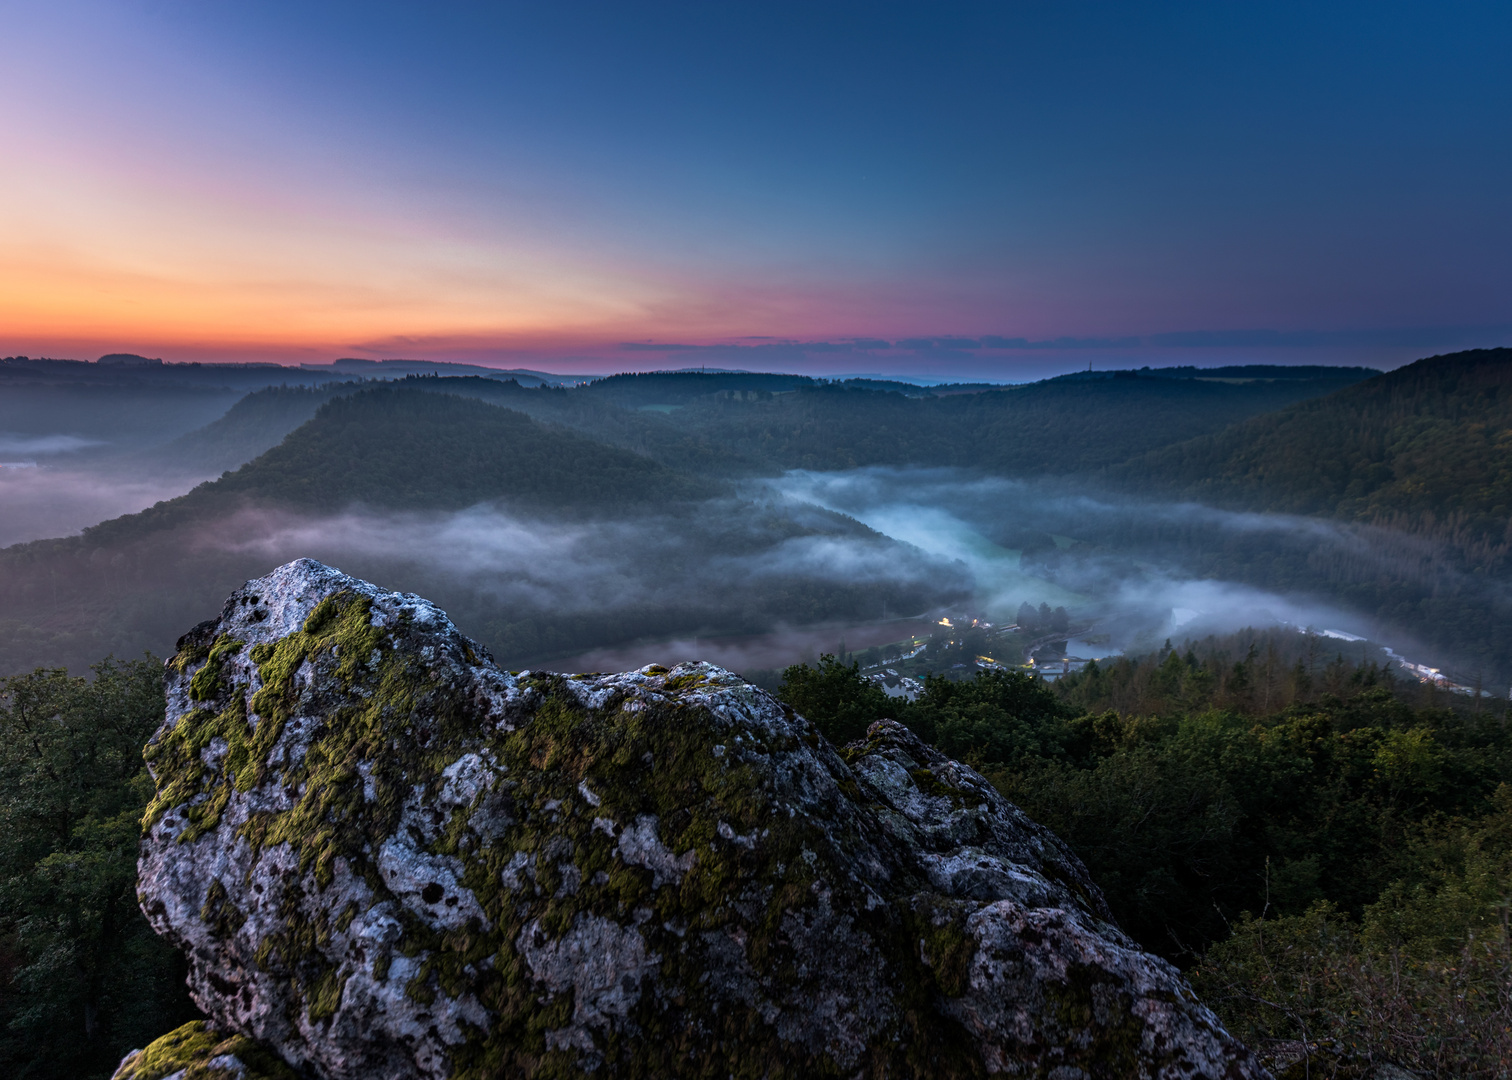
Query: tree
<point x="83" y="979"/>
<point x="995" y="717"/>
<point x="835" y="698"/>
<point x="1027" y="617"/>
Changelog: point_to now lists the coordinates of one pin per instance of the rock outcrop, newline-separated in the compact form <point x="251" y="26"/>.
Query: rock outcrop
<point x="386" y="858"/>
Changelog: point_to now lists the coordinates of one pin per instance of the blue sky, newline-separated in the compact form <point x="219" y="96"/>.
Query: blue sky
<point x="543" y="184"/>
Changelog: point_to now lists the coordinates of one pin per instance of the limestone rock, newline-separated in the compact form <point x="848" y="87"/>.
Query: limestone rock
<point x="388" y="859"/>
<point x="200" y="1051"/>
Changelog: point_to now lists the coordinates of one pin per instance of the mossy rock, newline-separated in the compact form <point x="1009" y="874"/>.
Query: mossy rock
<point x="200" y="1051"/>
<point x="385" y="857"/>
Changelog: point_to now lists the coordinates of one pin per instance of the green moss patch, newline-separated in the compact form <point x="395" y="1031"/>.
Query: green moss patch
<point x="193" y="1047"/>
<point x="734" y="869"/>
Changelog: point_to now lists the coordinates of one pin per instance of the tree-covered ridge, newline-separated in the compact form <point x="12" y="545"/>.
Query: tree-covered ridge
<point x="131" y="583"/>
<point x="654" y="434"/>
<point x="1333" y="866"/>
<point x="395" y="447"/>
<point x="404" y="449"/>
<point x="742" y="423"/>
<point x="637" y="389"/>
<point x="738" y="423"/>
<point x="254" y="425"/>
<point x="1052" y="427"/>
<point x="1429" y="441"/>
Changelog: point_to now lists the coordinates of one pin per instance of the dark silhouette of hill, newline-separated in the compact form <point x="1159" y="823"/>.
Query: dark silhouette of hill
<point x="401" y="459"/>
<point x="404" y="457"/>
<point x="651" y="388"/>
<point x="1429" y="441"/>
<point x="254" y="425"/>
<point x="1415" y="464"/>
<point x="667" y="439"/>
<point x="1048" y="428"/>
<point x="1239" y="373"/>
<point x="732" y="424"/>
<point x="400" y="448"/>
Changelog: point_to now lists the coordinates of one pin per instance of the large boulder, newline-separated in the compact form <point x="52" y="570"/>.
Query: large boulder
<point x="386" y="858"/>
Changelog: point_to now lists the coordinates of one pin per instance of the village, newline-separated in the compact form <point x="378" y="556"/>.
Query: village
<point x="1052" y="643"/>
<point x="1048" y="642"/>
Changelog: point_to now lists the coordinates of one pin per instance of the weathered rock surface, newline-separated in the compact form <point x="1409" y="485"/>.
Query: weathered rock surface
<point x="387" y="858"/>
<point x="200" y="1051"/>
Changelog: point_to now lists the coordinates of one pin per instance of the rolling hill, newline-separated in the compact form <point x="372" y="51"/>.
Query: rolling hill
<point x="1429" y="441"/>
<point x="734" y="424"/>
<point x="496" y="514"/>
<point x="1054" y="427"/>
<point x="254" y="425"/>
<point x="401" y="448"/>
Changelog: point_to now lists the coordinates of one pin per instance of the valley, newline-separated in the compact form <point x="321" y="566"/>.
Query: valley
<point x="1224" y="703"/>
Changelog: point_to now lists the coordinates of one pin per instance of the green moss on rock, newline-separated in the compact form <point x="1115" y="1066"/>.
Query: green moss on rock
<point x="202" y="1052"/>
<point x="386" y="857"/>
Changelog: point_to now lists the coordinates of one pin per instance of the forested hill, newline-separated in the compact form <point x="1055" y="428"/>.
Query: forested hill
<point x="402" y="448"/>
<point x="254" y="425"/>
<point x="396" y="447"/>
<point x="1431" y="441"/>
<point x="732" y="424"/>
<point x="1053" y="427"/>
<point x="739" y="423"/>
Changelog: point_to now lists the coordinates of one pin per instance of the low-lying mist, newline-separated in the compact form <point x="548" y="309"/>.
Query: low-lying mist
<point x="587" y="567"/>
<point x="1145" y="570"/>
<point x="793" y="566"/>
<point x="42" y="499"/>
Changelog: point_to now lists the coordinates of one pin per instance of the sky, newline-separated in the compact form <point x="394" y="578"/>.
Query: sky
<point x="988" y="190"/>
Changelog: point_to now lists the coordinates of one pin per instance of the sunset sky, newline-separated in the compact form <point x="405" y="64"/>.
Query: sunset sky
<point x="992" y="190"/>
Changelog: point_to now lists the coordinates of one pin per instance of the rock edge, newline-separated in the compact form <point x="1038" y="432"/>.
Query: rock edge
<point x="386" y="858"/>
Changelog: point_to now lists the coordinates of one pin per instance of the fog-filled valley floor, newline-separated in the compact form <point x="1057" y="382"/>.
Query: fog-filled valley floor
<point x="636" y="516"/>
<point x="1242" y="637"/>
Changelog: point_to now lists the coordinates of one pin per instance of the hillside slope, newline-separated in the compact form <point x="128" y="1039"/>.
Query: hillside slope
<point x="578" y="545"/>
<point x="400" y="448"/>
<point x="662" y="437"/>
<point x="739" y="424"/>
<point x="1055" y="427"/>
<point x="253" y="426"/>
<point x="1432" y="439"/>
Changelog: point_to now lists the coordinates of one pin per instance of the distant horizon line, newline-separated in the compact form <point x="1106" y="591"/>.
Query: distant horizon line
<point x="129" y="361"/>
<point x="927" y="359"/>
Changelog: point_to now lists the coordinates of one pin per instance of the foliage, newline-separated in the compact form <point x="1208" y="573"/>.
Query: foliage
<point x="1429" y="441"/>
<point x="835" y="697"/>
<point x="995" y="716"/>
<point x="82" y="977"/>
<point x="1423" y="979"/>
<point x="1052" y="427"/>
<point x="1275" y="669"/>
<point x="1188" y="817"/>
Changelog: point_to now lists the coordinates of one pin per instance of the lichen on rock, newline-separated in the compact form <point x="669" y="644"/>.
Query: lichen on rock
<point x="386" y="858"/>
<point x="200" y="1051"/>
